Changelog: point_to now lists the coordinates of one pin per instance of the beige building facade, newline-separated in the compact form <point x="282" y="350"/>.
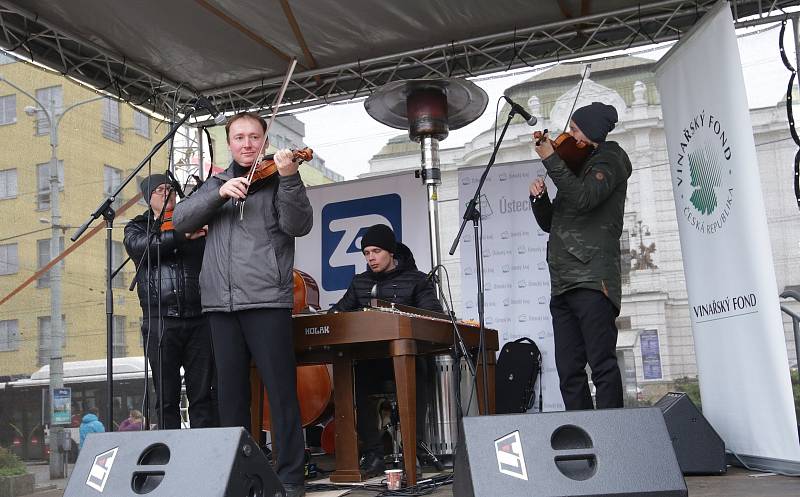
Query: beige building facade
<point x="99" y="144"/>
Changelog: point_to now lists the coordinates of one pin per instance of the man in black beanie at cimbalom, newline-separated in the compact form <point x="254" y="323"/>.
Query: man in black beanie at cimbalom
<point x="391" y="275"/>
<point x="585" y="224"/>
<point x="169" y="293"/>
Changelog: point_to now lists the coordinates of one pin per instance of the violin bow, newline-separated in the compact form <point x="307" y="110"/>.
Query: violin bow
<point x="275" y="106"/>
<point x="572" y="110"/>
<point x="577" y="95"/>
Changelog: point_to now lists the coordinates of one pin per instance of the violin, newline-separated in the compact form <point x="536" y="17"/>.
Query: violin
<point x="166" y="224"/>
<point x="267" y="167"/>
<point x="571" y="151"/>
<point x="166" y="221"/>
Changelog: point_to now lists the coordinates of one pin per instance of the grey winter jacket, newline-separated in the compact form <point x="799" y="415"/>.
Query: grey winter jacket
<point x="247" y="264"/>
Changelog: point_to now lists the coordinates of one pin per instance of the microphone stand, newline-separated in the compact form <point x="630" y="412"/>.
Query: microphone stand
<point x="472" y="214"/>
<point x="108" y="213"/>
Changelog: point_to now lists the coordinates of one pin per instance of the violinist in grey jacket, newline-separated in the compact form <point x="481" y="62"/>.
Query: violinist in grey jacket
<point x="247" y="288"/>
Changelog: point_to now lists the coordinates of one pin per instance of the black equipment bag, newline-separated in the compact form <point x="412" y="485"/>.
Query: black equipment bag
<point x="518" y="366"/>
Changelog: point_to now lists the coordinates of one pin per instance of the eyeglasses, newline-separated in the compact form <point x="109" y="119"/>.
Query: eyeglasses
<point x="163" y="189"/>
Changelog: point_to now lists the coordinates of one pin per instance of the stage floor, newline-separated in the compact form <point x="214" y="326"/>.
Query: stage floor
<point x="737" y="482"/>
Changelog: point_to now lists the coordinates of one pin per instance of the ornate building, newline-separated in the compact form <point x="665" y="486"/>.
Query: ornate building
<point x="654" y="321"/>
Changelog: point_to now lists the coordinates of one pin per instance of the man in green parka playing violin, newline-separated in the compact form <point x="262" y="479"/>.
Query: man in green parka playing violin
<point x="585" y="224"/>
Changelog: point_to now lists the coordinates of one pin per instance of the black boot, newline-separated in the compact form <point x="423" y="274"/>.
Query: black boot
<point x="295" y="489"/>
<point x="372" y="463"/>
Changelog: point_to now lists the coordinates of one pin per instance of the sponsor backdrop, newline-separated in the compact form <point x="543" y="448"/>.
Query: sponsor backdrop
<point x="738" y="332"/>
<point x="517" y="280"/>
<point x="331" y="253"/>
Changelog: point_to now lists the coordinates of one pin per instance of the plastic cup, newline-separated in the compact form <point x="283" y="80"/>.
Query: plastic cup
<point x="393" y="477"/>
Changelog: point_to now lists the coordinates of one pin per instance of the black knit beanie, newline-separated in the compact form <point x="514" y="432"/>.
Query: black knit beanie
<point x="596" y="120"/>
<point x="381" y="236"/>
<point x="150" y="183"/>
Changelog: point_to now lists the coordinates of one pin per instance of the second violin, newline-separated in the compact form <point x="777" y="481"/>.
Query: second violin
<point x="571" y="151"/>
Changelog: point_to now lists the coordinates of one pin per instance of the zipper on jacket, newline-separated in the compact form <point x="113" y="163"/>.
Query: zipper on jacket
<point x="230" y="256"/>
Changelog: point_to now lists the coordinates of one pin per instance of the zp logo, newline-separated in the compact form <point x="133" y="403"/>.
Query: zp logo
<point x="343" y="225"/>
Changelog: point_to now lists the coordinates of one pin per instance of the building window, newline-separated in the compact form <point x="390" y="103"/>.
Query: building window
<point x="120" y="348"/>
<point x="43" y="257"/>
<point x="9" y="335"/>
<point x="8" y="109"/>
<point x="9" y="264"/>
<point x="45" y="333"/>
<point x="141" y="335"/>
<point x="110" y="123"/>
<point x="117" y="256"/>
<point x="53" y="100"/>
<point x="43" y="183"/>
<point x="141" y="124"/>
<point x="8" y="184"/>
<point x="112" y="178"/>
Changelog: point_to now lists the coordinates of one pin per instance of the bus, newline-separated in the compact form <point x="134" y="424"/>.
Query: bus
<point x="25" y="406"/>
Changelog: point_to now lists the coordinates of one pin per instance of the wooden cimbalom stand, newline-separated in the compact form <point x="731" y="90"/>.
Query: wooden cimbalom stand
<point x="382" y="331"/>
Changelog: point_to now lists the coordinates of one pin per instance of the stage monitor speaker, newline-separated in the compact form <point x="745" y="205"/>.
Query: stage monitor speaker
<point x="698" y="447"/>
<point x="208" y="462"/>
<point x="612" y="452"/>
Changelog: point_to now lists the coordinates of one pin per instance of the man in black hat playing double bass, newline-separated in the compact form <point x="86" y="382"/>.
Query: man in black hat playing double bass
<point x="585" y="224"/>
<point x="392" y="275"/>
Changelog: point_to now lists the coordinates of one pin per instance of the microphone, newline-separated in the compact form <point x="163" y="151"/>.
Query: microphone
<point x="432" y="273"/>
<point x="515" y="107"/>
<point x="175" y="184"/>
<point x="204" y="103"/>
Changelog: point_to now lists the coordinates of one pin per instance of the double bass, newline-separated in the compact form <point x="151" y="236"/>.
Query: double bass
<point x="314" y="382"/>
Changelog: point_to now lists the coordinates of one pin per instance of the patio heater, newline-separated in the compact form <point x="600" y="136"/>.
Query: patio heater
<point x="428" y="109"/>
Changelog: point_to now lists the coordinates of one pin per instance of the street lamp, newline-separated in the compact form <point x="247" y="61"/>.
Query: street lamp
<point x="644" y="255"/>
<point x="57" y="458"/>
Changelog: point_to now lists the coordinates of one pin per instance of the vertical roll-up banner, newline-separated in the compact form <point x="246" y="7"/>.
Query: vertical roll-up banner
<point x="733" y="300"/>
<point x="514" y="259"/>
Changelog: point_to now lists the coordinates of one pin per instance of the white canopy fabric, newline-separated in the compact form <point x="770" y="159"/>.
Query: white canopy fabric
<point x="163" y="54"/>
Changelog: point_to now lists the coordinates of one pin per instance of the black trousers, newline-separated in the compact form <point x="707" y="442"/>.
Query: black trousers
<point x="584" y="330"/>
<point x="376" y="376"/>
<point x="265" y="335"/>
<point x="185" y="342"/>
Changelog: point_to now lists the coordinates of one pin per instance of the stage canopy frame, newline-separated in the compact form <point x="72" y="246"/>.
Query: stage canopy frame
<point x="161" y="55"/>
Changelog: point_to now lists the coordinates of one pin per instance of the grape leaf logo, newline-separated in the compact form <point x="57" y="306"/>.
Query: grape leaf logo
<point x="706" y="175"/>
<point x="703" y="169"/>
